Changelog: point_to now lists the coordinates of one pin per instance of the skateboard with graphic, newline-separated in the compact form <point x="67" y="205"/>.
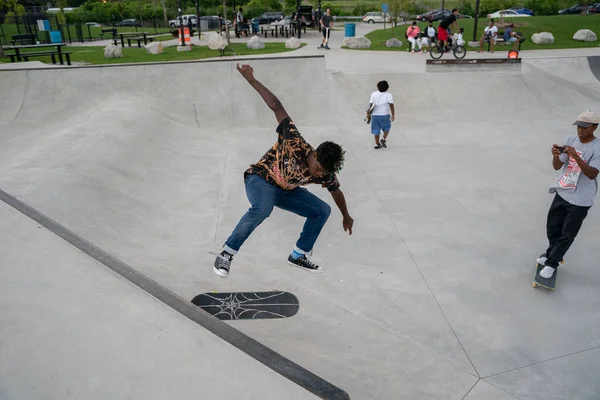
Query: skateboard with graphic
<point x="248" y="305"/>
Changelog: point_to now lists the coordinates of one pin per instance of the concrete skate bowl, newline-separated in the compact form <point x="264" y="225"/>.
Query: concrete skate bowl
<point x="146" y="162"/>
<point x="595" y="66"/>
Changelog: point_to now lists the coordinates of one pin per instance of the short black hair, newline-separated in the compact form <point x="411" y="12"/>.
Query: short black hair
<point x="414" y="22"/>
<point x="383" y="86"/>
<point x="331" y="156"/>
<point x="492" y="20"/>
<point x="454" y="10"/>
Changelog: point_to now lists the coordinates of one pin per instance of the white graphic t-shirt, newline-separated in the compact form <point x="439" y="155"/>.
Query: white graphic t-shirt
<point x="491" y="31"/>
<point x="381" y="101"/>
<point x="572" y="185"/>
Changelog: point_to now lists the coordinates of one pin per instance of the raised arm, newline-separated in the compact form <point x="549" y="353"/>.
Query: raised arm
<point x="269" y="98"/>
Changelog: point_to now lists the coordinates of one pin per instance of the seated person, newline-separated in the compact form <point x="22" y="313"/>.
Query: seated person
<point x="489" y="33"/>
<point x="424" y="42"/>
<point x="511" y="37"/>
<point x="458" y="37"/>
<point x="430" y="32"/>
<point x="412" y="33"/>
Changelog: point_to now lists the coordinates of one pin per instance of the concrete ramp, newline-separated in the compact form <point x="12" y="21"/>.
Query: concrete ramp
<point x="429" y="296"/>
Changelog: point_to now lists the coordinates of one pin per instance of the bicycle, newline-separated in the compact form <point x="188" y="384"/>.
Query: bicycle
<point x="459" y="51"/>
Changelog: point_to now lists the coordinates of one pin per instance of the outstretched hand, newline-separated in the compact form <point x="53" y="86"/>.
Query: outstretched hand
<point x="348" y="223"/>
<point x="246" y="71"/>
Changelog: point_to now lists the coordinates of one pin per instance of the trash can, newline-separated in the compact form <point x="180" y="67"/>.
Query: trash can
<point x="55" y="37"/>
<point x="350" y="30"/>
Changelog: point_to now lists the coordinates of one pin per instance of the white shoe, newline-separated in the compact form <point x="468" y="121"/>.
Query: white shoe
<point x="547" y="272"/>
<point x="541" y="260"/>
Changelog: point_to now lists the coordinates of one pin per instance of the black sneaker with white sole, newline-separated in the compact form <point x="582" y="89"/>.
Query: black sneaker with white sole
<point x="304" y="263"/>
<point x="223" y="264"/>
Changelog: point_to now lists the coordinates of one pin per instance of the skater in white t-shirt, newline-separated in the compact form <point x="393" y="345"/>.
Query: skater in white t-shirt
<point x="380" y="106"/>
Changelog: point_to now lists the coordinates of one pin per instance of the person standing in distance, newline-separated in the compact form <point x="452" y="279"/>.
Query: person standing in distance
<point x="381" y="105"/>
<point x="575" y="190"/>
<point x="326" y="25"/>
<point x="275" y="180"/>
<point x="447" y="23"/>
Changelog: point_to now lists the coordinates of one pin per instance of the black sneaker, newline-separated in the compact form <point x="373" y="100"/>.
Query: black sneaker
<point x="378" y="146"/>
<point x="304" y="263"/>
<point x="223" y="264"/>
<point x="384" y="143"/>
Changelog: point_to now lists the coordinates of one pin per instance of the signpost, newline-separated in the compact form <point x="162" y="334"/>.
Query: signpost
<point x="385" y="8"/>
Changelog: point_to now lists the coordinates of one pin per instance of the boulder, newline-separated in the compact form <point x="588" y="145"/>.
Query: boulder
<point x="356" y="43"/>
<point x="542" y="38"/>
<point x="256" y="43"/>
<point x="292" y="43"/>
<point x="154" y="48"/>
<point x="112" y="51"/>
<point x="393" y="42"/>
<point x="585" y="35"/>
<point x="216" y="41"/>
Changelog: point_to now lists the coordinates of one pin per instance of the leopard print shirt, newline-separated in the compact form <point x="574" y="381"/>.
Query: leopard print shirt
<point x="284" y="165"/>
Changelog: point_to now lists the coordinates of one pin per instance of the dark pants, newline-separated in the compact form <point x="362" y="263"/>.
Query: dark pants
<point x="263" y="197"/>
<point x="562" y="226"/>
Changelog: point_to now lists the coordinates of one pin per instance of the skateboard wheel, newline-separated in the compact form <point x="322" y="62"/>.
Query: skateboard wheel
<point x="534" y="285"/>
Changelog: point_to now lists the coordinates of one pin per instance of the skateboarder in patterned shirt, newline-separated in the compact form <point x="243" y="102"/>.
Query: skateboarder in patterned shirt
<point x="575" y="189"/>
<point x="275" y="180"/>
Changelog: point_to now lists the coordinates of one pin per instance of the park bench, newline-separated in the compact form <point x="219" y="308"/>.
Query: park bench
<point x="51" y="53"/>
<point x="24" y="39"/>
<point x="112" y="31"/>
<point x="139" y="40"/>
<point x="500" y="39"/>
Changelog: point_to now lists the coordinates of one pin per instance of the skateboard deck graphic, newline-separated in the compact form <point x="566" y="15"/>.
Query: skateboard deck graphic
<point x="248" y="305"/>
<point x="547" y="283"/>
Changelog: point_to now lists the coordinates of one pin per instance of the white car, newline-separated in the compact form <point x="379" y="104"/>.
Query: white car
<point x="186" y="21"/>
<point x="507" y="13"/>
<point x="285" y="22"/>
<point x="375" y="16"/>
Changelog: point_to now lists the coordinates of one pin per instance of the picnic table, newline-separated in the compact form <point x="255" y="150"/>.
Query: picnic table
<point x="138" y="36"/>
<point x="20" y="56"/>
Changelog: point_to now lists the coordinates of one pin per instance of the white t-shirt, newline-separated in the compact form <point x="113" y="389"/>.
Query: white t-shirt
<point x="381" y="101"/>
<point x="430" y="31"/>
<point x="493" y="31"/>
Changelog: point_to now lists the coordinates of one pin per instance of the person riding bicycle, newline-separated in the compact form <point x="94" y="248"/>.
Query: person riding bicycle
<point x="447" y="23"/>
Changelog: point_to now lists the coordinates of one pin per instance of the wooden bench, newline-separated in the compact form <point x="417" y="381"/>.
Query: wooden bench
<point x="51" y="53"/>
<point x="112" y="31"/>
<point x="139" y="40"/>
<point x="24" y="39"/>
<point x="500" y="39"/>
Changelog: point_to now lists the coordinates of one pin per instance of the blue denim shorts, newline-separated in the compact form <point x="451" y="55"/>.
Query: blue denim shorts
<point x="380" y="123"/>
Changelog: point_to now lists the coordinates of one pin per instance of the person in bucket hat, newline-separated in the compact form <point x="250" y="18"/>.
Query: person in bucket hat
<point x="574" y="191"/>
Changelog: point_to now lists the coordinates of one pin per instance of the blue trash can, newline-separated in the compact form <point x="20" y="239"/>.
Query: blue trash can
<point x="350" y="30"/>
<point x="55" y="37"/>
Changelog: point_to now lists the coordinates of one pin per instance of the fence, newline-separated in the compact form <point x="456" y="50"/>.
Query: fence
<point x="28" y="24"/>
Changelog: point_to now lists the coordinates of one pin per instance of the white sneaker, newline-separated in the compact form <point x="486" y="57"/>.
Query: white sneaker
<point x="541" y="260"/>
<point x="547" y="272"/>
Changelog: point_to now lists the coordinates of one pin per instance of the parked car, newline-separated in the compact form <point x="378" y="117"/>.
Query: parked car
<point x="522" y="10"/>
<point x="507" y="13"/>
<point x="186" y="20"/>
<point x="129" y="22"/>
<point x="214" y="22"/>
<point x="593" y="9"/>
<point x="376" y="16"/>
<point x="285" y="22"/>
<point x="433" y="15"/>
<point x="93" y="24"/>
<point x="269" y="17"/>
<point x="576" y="9"/>
<point x="307" y="16"/>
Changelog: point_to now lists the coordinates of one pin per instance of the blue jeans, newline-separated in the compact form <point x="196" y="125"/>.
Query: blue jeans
<point x="263" y="197"/>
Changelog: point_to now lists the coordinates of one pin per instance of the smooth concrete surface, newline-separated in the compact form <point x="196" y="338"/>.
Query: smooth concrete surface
<point x="429" y="298"/>
<point x="70" y="328"/>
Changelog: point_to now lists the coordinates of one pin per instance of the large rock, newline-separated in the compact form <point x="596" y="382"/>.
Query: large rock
<point x="393" y="42"/>
<point x="542" y="38"/>
<point x="256" y="43"/>
<point x="585" y="35"/>
<point x="292" y="43"/>
<point x="216" y="41"/>
<point x="154" y="48"/>
<point x="112" y="51"/>
<point x="356" y="43"/>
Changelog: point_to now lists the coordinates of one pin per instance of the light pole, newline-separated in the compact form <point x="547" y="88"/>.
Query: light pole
<point x="198" y="19"/>
<point x="181" y="34"/>
<point x="476" y="20"/>
<point x="319" y="14"/>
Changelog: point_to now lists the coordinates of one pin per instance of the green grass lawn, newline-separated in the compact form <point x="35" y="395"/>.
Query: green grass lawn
<point x="95" y="55"/>
<point x="563" y="27"/>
